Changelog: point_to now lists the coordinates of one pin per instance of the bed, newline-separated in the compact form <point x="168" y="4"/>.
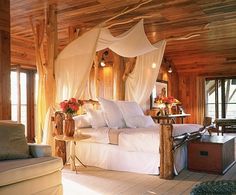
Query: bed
<point x="124" y="139"/>
<point x="129" y="149"/>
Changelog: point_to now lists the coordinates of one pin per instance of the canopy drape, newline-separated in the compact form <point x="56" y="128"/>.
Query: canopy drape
<point x="140" y="82"/>
<point x="73" y="66"/>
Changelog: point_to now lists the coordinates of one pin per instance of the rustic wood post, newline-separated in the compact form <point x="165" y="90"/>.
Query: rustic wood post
<point x="5" y="104"/>
<point x="118" y="83"/>
<point x="52" y="47"/>
<point x="60" y="146"/>
<point x="166" y="152"/>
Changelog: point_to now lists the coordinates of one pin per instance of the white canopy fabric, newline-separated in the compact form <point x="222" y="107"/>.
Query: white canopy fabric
<point x="140" y="82"/>
<point x="132" y="43"/>
<point x="73" y="64"/>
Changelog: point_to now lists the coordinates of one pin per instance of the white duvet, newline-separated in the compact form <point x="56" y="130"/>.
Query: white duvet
<point x="137" y="139"/>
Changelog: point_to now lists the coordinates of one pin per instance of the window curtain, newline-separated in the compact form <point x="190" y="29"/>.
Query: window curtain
<point x="140" y="82"/>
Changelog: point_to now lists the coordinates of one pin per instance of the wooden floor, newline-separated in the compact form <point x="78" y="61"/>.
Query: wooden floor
<point x="95" y="181"/>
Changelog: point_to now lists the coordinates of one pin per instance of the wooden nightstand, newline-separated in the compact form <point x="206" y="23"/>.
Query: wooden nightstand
<point x="211" y="154"/>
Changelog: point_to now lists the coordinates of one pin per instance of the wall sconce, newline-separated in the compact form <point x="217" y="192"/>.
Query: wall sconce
<point x="170" y="69"/>
<point x="168" y="62"/>
<point x="102" y="62"/>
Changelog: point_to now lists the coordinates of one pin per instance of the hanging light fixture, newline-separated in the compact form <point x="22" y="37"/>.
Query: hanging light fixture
<point x="102" y="62"/>
<point x="168" y="63"/>
<point x="170" y="69"/>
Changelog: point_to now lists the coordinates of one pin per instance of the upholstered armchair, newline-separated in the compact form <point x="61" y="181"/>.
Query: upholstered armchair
<point x="26" y="168"/>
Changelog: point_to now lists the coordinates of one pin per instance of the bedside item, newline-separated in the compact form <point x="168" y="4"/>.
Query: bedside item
<point x="211" y="154"/>
<point x="170" y="118"/>
<point x="72" y="148"/>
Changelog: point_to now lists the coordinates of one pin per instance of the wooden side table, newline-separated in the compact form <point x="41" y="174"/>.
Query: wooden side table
<point x="73" y="140"/>
<point x="211" y="154"/>
<point x="171" y="118"/>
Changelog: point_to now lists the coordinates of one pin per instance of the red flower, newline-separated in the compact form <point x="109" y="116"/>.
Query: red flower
<point x="167" y="100"/>
<point x="70" y="106"/>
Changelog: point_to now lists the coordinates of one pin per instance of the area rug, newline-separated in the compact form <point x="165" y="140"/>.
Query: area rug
<point x="226" y="187"/>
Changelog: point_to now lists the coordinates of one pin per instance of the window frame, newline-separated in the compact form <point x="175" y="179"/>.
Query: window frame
<point x="223" y="107"/>
<point x="30" y="103"/>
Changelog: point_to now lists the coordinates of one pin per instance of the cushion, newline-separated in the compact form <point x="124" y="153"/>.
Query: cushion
<point x="82" y="121"/>
<point x="96" y="118"/>
<point x="12" y="171"/>
<point x="13" y="143"/>
<point x="112" y="113"/>
<point x="139" y="121"/>
<point x="129" y="109"/>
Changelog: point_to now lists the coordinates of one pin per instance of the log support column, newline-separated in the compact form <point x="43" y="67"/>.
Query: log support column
<point x="5" y="104"/>
<point x="166" y="152"/>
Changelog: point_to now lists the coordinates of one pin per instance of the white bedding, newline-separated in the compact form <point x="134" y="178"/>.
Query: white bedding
<point x="136" y="139"/>
<point x="137" y="151"/>
<point x="98" y="135"/>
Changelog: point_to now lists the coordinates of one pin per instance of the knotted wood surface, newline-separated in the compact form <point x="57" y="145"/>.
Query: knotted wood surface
<point x="166" y="152"/>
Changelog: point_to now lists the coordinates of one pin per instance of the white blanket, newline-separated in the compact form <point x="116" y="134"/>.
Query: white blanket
<point x="138" y="139"/>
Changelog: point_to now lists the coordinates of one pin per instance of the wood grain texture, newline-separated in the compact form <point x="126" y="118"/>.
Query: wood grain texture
<point x="214" y="50"/>
<point x="166" y="152"/>
<point x="5" y="104"/>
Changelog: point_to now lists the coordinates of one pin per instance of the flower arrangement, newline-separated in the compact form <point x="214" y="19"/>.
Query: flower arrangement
<point x="167" y="100"/>
<point x="70" y="106"/>
<point x="165" y="104"/>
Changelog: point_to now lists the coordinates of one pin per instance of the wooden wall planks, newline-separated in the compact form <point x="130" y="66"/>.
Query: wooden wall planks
<point x="5" y="104"/>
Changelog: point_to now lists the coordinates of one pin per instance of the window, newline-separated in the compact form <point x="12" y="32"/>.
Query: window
<point x="220" y="97"/>
<point x="23" y="100"/>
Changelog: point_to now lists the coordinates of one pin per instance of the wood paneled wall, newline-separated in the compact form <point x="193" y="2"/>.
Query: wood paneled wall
<point x="5" y="104"/>
<point x="188" y="92"/>
<point x="110" y="83"/>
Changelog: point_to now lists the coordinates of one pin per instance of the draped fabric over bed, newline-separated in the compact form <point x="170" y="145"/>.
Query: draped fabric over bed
<point x="73" y="64"/>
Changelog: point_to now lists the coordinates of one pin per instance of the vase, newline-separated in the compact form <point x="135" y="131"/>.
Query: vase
<point x="69" y="128"/>
<point x="168" y="109"/>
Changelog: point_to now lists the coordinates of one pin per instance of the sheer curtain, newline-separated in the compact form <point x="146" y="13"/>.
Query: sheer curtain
<point x="140" y="82"/>
<point x="73" y="66"/>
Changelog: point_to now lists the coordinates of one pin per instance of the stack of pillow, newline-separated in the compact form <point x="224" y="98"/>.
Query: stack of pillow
<point x="116" y="115"/>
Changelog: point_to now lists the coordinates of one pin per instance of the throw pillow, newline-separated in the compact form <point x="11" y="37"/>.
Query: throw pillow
<point x="13" y="143"/>
<point x="112" y="113"/>
<point x="82" y="121"/>
<point x="139" y="122"/>
<point x="96" y="118"/>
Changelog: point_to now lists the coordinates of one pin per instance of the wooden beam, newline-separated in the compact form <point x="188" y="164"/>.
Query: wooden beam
<point x="5" y="103"/>
<point x="118" y="83"/>
<point x="52" y="48"/>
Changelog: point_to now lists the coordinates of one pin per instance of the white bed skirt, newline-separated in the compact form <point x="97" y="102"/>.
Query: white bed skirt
<point x="113" y="157"/>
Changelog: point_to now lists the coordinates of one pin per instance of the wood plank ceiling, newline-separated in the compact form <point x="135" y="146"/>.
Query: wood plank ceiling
<point x="213" y="50"/>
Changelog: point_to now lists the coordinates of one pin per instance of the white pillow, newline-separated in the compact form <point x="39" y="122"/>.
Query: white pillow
<point x="112" y="113"/>
<point x="129" y="109"/>
<point x="82" y="121"/>
<point x="139" y="122"/>
<point x="96" y="118"/>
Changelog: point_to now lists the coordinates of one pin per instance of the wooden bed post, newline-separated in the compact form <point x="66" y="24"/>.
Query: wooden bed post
<point x="166" y="152"/>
